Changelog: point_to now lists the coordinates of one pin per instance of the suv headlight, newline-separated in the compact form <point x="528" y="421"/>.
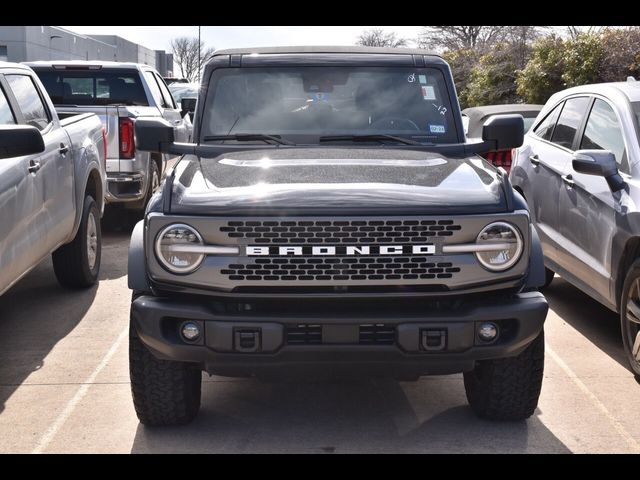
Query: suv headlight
<point x="500" y="246"/>
<point x="174" y="248"/>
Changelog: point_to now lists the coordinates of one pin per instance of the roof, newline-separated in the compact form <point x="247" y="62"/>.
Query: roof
<point x="103" y="64"/>
<point x="12" y="65"/>
<point x="325" y="49"/>
<point x="629" y="89"/>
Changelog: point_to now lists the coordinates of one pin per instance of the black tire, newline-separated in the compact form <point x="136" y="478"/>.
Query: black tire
<point x="136" y="213"/>
<point x="164" y="392"/>
<point x="77" y="264"/>
<point x="628" y="321"/>
<point x="507" y="388"/>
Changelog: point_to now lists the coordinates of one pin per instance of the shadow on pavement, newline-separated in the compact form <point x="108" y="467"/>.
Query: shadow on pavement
<point x="369" y="416"/>
<point x="592" y="319"/>
<point x="35" y="315"/>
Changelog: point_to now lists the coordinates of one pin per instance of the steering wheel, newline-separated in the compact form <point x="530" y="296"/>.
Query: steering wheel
<point x="394" y="123"/>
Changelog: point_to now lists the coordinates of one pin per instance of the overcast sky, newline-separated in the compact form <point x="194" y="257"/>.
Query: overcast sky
<point x="158" y="38"/>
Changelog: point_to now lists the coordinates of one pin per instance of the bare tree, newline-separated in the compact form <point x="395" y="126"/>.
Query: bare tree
<point x="449" y="37"/>
<point x="377" y="37"/>
<point x="185" y="54"/>
<point x="574" y="31"/>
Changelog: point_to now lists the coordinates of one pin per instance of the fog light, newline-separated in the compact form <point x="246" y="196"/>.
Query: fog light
<point x="190" y="331"/>
<point x="488" y="332"/>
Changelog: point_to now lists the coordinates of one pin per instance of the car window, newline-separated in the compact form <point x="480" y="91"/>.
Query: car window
<point x="603" y="131"/>
<point x="6" y="115"/>
<point x="155" y="89"/>
<point x="29" y="100"/>
<point x="545" y="129"/>
<point x="569" y="121"/>
<point x="94" y="87"/>
<point x="168" y="99"/>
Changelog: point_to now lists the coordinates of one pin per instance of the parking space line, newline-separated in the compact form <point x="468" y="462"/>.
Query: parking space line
<point x="51" y="432"/>
<point x="632" y="442"/>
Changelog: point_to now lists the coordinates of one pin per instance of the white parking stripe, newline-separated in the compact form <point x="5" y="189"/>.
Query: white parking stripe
<point x="51" y="432"/>
<point x="632" y="442"/>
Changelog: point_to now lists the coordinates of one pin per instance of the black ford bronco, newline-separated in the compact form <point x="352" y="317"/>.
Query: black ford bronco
<point x="331" y="216"/>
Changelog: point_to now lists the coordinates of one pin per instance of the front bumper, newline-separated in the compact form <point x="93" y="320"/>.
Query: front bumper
<point x="340" y="346"/>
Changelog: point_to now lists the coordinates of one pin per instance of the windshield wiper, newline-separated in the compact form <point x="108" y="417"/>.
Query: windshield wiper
<point x="249" y="137"/>
<point x="368" y="138"/>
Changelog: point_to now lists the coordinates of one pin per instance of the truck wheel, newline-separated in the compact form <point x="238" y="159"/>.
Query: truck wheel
<point x="630" y="317"/>
<point x="77" y="264"/>
<point x="164" y="392"/>
<point x="507" y="388"/>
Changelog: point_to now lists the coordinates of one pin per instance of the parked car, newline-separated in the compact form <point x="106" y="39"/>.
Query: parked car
<point x="119" y="93"/>
<point x="172" y="80"/>
<point x="579" y="168"/>
<point x="332" y="216"/>
<point x="188" y="91"/>
<point x="479" y="115"/>
<point x="52" y="179"/>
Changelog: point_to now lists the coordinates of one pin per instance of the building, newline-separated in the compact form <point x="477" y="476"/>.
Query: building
<point x="33" y="43"/>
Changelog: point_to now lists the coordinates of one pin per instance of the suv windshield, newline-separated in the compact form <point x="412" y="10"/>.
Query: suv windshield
<point x="94" y="87"/>
<point x="303" y="104"/>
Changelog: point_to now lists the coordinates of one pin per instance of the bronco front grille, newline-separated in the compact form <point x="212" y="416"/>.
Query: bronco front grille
<point x="351" y="268"/>
<point x="340" y="231"/>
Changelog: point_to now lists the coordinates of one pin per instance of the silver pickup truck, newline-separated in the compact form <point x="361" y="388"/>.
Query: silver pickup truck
<point x="52" y="182"/>
<point x="119" y="93"/>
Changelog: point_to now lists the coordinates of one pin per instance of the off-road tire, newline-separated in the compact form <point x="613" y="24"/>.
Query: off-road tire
<point x="164" y="392"/>
<point x="507" y="388"/>
<point x="71" y="262"/>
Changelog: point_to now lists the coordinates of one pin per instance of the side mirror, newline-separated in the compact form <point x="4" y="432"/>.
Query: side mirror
<point x="188" y="105"/>
<point x="601" y="163"/>
<point x="504" y="131"/>
<point x="154" y="135"/>
<point x="20" y="140"/>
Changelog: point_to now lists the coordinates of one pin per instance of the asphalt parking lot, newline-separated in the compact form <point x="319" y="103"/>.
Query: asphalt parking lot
<point x="64" y="387"/>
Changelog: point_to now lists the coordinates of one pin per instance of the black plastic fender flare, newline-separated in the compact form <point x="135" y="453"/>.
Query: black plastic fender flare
<point x="137" y="267"/>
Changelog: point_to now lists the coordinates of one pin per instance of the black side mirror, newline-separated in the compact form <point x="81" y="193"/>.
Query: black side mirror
<point x="504" y="131"/>
<point x="601" y="163"/>
<point x="154" y="135"/>
<point x="19" y="140"/>
<point x="188" y="105"/>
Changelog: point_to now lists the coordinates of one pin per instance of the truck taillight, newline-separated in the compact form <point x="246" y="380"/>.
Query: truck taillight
<point x="104" y="146"/>
<point x="127" y="142"/>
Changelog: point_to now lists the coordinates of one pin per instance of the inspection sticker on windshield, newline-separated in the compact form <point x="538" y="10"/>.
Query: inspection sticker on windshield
<point x="437" y="129"/>
<point x="428" y="93"/>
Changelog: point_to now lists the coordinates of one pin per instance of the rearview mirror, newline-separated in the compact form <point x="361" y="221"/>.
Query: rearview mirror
<point x="504" y="131"/>
<point x="20" y="140"/>
<point x="601" y="163"/>
<point x="188" y="105"/>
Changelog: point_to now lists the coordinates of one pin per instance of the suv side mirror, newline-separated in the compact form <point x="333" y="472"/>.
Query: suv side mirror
<point x="19" y="140"/>
<point x="601" y="163"/>
<point x="154" y="135"/>
<point x="188" y="105"/>
<point x="504" y="131"/>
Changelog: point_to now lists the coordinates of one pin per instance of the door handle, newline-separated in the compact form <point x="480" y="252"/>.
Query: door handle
<point x="568" y="180"/>
<point x="535" y="160"/>
<point x="64" y="149"/>
<point x="34" y="166"/>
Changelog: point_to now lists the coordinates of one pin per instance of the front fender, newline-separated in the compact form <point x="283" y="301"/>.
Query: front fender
<point x="137" y="268"/>
<point x="536" y="275"/>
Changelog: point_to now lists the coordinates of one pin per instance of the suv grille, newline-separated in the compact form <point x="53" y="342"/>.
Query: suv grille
<point x="351" y="268"/>
<point x="336" y="232"/>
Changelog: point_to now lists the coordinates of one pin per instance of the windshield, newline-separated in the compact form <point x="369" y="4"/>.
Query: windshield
<point x="181" y="90"/>
<point x="94" y="87"/>
<point x="302" y="104"/>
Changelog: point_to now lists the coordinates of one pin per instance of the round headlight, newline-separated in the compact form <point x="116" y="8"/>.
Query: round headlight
<point x="500" y="246"/>
<point x="174" y="248"/>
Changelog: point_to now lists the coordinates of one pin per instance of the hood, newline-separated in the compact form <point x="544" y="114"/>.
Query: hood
<point x="335" y="181"/>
